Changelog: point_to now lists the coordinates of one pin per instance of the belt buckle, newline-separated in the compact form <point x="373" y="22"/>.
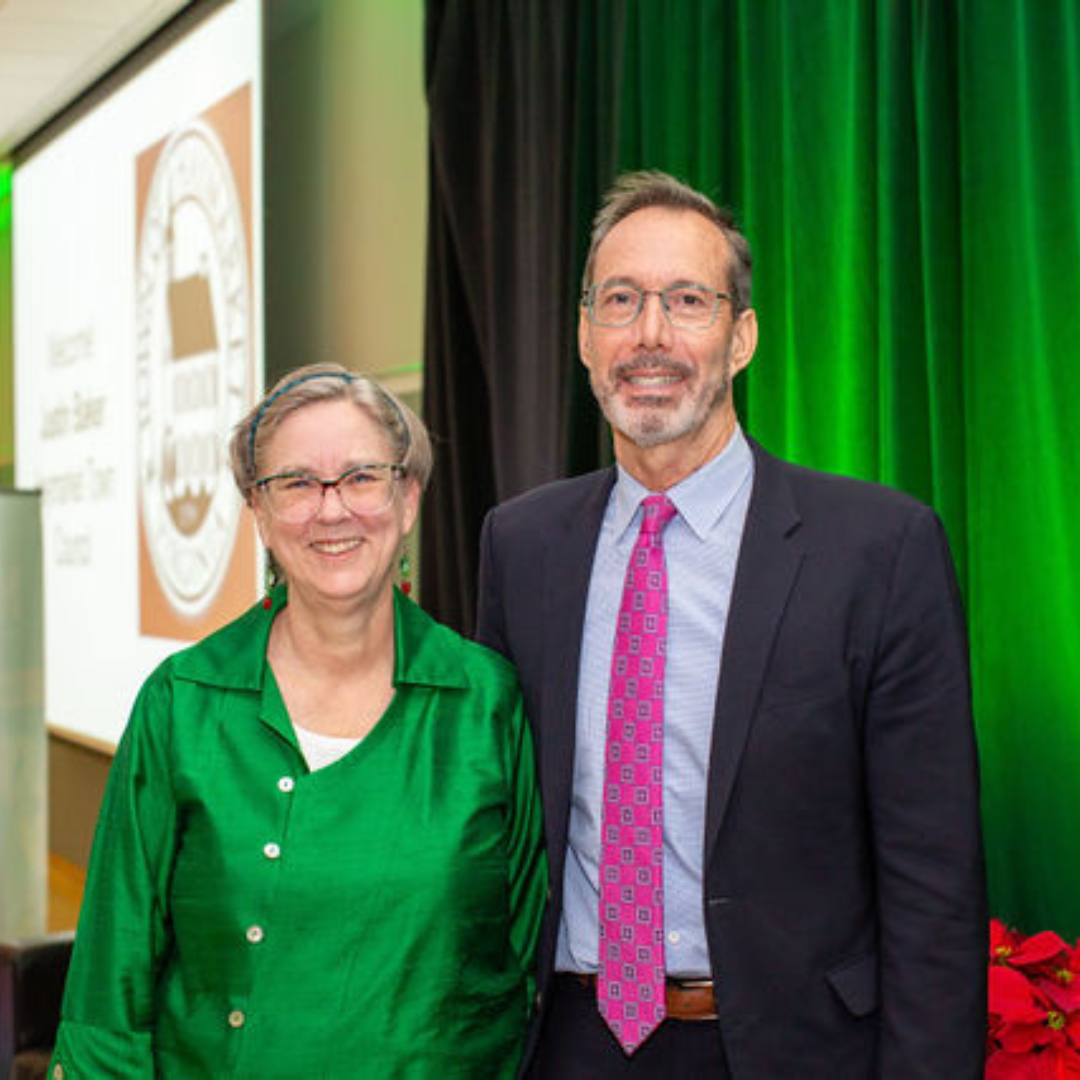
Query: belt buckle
<point x="686" y="998"/>
<point x="689" y="984"/>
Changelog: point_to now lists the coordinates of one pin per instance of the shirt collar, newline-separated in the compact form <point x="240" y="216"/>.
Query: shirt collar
<point x="700" y="498"/>
<point x="426" y="653"/>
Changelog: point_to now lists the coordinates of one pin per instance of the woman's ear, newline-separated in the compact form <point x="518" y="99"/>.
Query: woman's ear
<point x="410" y="503"/>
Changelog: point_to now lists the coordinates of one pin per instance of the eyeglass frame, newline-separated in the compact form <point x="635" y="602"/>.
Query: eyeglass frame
<point x="588" y="297"/>
<point x="396" y="470"/>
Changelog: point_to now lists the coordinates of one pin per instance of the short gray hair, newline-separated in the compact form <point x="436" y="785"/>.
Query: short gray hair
<point x="403" y="429"/>
<point x="647" y="188"/>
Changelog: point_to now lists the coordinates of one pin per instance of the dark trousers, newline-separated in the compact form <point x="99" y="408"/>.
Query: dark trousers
<point x="576" y="1044"/>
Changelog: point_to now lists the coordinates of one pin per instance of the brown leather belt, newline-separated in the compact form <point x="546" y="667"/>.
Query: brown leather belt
<point x="684" y="999"/>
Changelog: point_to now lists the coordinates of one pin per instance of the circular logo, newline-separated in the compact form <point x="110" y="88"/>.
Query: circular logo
<point x="193" y="343"/>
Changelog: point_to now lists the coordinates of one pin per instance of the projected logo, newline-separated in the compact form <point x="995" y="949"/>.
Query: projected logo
<point x="194" y="325"/>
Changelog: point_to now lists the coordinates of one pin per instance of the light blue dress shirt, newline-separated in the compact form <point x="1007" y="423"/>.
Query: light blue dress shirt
<point x="701" y="546"/>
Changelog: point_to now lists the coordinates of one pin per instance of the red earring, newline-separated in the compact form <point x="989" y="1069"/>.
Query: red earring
<point x="271" y="580"/>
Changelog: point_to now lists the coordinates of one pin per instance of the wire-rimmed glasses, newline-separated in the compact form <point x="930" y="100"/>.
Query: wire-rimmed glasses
<point x="687" y="305"/>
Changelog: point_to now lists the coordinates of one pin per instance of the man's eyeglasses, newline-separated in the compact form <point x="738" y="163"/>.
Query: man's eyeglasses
<point x="296" y="497"/>
<point x="686" y="306"/>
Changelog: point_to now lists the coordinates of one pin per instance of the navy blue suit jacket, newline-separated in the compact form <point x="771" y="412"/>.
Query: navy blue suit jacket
<point x="843" y="891"/>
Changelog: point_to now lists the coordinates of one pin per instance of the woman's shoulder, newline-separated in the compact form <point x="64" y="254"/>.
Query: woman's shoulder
<point x="487" y="660"/>
<point x="231" y="656"/>
<point x="183" y="684"/>
<point x="428" y="649"/>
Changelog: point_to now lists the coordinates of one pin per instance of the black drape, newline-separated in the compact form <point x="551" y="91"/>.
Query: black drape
<point x="500" y="325"/>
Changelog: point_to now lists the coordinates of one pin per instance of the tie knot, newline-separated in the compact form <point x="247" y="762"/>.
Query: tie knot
<point x="657" y="511"/>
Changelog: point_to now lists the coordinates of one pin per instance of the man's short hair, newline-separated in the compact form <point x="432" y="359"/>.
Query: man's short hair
<point x="635" y="191"/>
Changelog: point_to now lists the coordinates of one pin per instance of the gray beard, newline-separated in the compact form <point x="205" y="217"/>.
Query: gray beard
<point x="652" y="423"/>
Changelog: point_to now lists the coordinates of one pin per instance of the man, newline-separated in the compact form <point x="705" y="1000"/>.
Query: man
<point x="749" y="690"/>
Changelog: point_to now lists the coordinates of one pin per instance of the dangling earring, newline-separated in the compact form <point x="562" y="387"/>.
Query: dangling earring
<point x="404" y="572"/>
<point x="271" y="579"/>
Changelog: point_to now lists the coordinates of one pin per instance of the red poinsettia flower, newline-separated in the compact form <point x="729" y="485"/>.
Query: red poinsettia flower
<point x="1009" y="947"/>
<point x="1062" y="988"/>
<point x="1033" y="1029"/>
<point x="1060" y="981"/>
<point x="1030" y="1020"/>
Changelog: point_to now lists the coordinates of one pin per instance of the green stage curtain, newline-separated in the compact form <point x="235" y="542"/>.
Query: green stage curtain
<point x="908" y="172"/>
<point x="1020" y="254"/>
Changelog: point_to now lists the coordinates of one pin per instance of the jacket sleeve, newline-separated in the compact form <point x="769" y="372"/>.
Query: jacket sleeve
<point x="489" y="620"/>
<point x="528" y="864"/>
<point x="922" y="787"/>
<point x="123" y="938"/>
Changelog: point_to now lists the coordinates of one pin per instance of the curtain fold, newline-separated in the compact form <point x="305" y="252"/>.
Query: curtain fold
<point x="1020" y="205"/>
<point x="500" y="86"/>
<point x="909" y="177"/>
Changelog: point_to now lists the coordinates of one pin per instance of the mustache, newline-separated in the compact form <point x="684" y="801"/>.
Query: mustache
<point x="658" y="363"/>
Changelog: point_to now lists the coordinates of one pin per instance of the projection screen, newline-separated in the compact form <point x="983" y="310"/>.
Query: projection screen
<point x="137" y="258"/>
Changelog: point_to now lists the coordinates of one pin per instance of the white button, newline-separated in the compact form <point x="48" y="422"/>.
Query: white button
<point x="286" y="784"/>
<point x="236" y="1019"/>
<point x="271" y="851"/>
<point x="673" y="937"/>
<point x="58" y="1072"/>
<point x="255" y="934"/>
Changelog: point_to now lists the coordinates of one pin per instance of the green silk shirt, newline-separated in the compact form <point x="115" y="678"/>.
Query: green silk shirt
<point x="245" y="917"/>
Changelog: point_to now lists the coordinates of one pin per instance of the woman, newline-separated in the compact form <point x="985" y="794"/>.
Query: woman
<point x="319" y="852"/>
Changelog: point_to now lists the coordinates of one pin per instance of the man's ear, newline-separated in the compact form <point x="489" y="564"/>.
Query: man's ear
<point x="584" y="338"/>
<point x="744" y="337"/>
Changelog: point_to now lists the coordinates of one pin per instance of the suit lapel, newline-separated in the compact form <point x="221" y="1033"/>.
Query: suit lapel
<point x="565" y="575"/>
<point x="769" y="561"/>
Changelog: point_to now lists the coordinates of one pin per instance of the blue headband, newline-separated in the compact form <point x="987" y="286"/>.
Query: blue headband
<point x="292" y="383"/>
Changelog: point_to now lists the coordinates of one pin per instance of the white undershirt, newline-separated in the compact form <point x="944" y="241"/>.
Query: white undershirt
<point x="322" y="750"/>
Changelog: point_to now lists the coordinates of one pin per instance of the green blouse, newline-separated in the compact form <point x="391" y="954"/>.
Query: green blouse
<point x="245" y="917"/>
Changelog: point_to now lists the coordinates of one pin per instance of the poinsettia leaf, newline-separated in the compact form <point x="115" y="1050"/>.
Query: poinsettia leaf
<point x="1025" y="1038"/>
<point x="1006" y="1066"/>
<point x="1065" y="997"/>
<point x="1011" y="994"/>
<point x="1067" y="1064"/>
<point x="1038" y="949"/>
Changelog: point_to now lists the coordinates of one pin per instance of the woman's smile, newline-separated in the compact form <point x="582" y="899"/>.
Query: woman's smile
<point x="336" y="547"/>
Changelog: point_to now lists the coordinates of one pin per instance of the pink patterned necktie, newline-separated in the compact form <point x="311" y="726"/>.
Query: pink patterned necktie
<point x="630" y="983"/>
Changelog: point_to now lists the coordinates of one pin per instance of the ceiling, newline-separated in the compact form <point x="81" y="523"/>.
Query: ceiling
<point x="52" y="50"/>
